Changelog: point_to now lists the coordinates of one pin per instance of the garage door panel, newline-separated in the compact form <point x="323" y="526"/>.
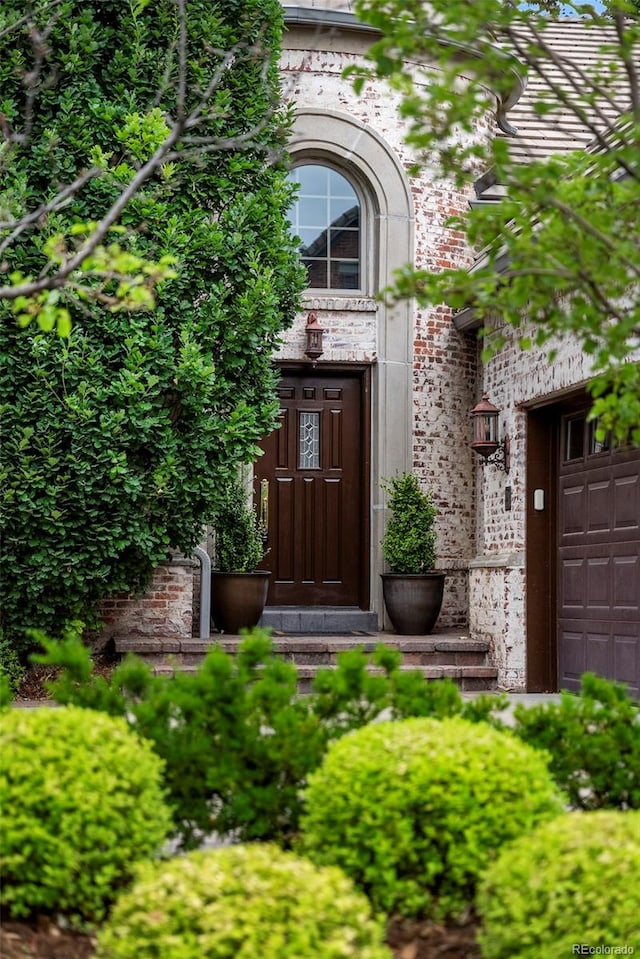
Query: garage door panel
<point x="598" y="561"/>
<point x="573" y="510"/>
<point x="626" y="656"/>
<point x="626" y="584"/>
<point x="598" y="647"/>
<point x="598" y="584"/>
<point x="612" y="651"/>
<point x="572" y="585"/>
<point x="626" y="499"/>
<point x="599" y="587"/>
<point x="572" y="658"/>
<point x="599" y="506"/>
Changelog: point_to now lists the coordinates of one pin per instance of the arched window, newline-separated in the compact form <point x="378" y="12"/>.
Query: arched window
<point x="326" y="217"/>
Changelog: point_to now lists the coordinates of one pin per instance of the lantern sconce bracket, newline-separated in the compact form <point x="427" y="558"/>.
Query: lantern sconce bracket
<point x="502" y="456"/>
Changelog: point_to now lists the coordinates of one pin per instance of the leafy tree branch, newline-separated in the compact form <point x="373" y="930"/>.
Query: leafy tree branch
<point x="560" y="254"/>
<point x="180" y="143"/>
<point x="117" y="438"/>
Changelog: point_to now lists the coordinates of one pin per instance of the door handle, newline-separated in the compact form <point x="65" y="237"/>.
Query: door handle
<point x="263" y="513"/>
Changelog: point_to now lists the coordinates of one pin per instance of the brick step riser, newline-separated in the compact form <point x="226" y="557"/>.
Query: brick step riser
<point x="467" y="676"/>
<point x="469" y="684"/>
<point x="330" y="659"/>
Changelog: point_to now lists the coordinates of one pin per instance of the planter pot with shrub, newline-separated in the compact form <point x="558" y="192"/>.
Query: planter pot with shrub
<point x="412" y="589"/>
<point x="238" y="588"/>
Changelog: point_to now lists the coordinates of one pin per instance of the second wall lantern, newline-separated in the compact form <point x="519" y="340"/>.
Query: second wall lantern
<point x="484" y="419"/>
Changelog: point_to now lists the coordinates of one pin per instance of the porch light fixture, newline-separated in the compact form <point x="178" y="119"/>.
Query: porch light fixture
<point x="484" y="419"/>
<point x="314" y="338"/>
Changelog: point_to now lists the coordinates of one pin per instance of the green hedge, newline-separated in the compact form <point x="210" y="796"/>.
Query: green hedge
<point x="414" y="811"/>
<point x="241" y="902"/>
<point x="81" y="803"/>
<point x="237" y="739"/>
<point x="116" y="440"/>
<point x="594" y="742"/>
<point x="573" y="881"/>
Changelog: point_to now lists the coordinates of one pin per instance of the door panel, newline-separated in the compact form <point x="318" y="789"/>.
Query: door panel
<point x="598" y="557"/>
<point x="315" y="467"/>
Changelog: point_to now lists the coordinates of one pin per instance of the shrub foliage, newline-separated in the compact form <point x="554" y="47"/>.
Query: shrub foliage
<point x="239" y="546"/>
<point x="594" y="742"/>
<point x="573" y="881"/>
<point x="116" y="438"/>
<point x="241" y="901"/>
<point x="409" y="544"/>
<point x="237" y="740"/>
<point x="414" y="811"/>
<point x="81" y="802"/>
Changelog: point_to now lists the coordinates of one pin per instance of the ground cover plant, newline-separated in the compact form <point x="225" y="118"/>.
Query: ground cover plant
<point x="575" y="880"/>
<point x="414" y="811"/>
<point x="238" y="903"/>
<point x="81" y="802"/>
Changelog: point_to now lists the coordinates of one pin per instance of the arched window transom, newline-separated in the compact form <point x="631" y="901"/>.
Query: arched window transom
<point x="327" y="218"/>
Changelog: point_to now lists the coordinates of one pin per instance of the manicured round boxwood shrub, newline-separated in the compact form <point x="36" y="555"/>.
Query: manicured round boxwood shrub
<point x="81" y="801"/>
<point x="240" y="902"/>
<point x="575" y="880"/>
<point x="413" y="811"/>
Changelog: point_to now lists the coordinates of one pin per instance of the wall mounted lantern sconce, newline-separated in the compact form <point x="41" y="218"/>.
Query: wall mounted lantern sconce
<point x="314" y="338"/>
<point x="484" y="419"/>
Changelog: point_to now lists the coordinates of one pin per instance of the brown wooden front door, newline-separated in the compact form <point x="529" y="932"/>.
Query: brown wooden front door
<point x="598" y="556"/>
<point x="316" y="469"/>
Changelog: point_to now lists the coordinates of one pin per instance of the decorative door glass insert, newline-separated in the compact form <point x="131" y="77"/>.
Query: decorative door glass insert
<point x="326" y="217"/>
<point x="309" y="441"/>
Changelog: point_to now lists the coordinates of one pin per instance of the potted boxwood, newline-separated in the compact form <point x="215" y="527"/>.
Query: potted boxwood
<point x="412" y="589"/>
<point x="238" y="587"/>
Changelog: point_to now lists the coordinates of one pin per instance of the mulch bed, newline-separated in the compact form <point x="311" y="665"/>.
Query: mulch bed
<point x="43" y="940"/>
<point x="408" y="940"/>
<point x="33" y="686"/>
<point x="414" y="939"/>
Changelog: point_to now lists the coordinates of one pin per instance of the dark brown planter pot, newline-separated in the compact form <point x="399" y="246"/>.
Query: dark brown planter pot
<point x="237" y="599"/>
<point x="413" y="601"/>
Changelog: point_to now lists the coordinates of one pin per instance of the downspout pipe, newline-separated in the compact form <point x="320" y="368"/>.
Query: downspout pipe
<point x="205" y="591"/>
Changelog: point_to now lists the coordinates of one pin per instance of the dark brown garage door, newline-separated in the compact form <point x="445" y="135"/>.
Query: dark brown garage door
<point x="599" y="557"/>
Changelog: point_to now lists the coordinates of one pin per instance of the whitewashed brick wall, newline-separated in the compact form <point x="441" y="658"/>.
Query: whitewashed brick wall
<point x="444" y="361"/>
<point x="497" y="581"/>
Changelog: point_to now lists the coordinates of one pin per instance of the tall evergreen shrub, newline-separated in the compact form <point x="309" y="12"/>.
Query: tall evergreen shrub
<point x="115" y="440"/>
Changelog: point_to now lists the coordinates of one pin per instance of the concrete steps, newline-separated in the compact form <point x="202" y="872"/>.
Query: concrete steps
<point x="319" y="620"/>
<point x="436" y="656"/>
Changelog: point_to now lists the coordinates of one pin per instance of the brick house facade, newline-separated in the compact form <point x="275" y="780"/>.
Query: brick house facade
<point x="419" y="374"/>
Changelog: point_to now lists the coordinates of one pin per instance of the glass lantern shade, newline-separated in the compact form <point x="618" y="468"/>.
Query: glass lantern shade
<point x="484" y="419"/>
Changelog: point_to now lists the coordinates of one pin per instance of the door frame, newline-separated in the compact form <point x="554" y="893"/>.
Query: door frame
<point x="541" y="554"/>
<point x="544" y="428"/>
<point x="363" y="373"/>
